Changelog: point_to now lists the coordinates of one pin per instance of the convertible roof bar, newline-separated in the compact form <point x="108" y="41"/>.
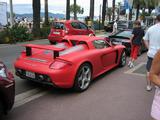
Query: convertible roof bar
<point x="45" y="47"/>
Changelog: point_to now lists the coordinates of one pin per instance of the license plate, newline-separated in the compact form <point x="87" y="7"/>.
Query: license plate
<point x="30" y="74"/>
<point x="57" y="33"/>
<point x="117" y="43"/>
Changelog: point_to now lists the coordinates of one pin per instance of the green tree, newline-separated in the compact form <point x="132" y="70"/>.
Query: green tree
<point x="138" y="4"/>
<point x="46" y="12"/>
<point x="68" y="9"/>
<point x="78" y="10"/>
<point x="151" y="4"/>
<point x="109" y="13"/>
<point x="36" y="17"/>
<point x="118" y="10"/>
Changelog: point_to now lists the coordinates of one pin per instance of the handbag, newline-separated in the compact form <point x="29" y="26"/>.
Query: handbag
<point x="155" y="110"/>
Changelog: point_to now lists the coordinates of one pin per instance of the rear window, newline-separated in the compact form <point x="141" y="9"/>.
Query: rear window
<point x="124" y="34"/>
<point x="58" y="25"/>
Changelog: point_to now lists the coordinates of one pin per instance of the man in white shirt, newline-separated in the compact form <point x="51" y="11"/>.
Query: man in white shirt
<point x="114" y="27"/>
<point x="152" y="42"/>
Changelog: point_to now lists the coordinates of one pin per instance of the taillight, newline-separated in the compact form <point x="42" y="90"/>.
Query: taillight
<point x="59" y="65"/>
<point x="3" y="71"/>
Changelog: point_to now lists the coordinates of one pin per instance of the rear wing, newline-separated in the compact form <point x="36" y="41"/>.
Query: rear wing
<point x="45" y="47"/>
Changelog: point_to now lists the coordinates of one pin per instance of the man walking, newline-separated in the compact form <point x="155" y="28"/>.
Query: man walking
<point x="152" y="42"/>
<point x="136" y="40"/>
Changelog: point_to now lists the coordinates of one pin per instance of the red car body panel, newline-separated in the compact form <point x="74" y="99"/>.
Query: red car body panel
<point x="56" y="35"/>
<point x="39" y="62"/>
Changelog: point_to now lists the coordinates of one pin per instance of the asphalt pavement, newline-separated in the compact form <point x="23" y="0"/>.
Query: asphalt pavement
<point x="116" y="95"/>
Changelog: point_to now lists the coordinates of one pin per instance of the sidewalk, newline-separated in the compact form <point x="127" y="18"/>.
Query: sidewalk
<point x="98" y="32"/>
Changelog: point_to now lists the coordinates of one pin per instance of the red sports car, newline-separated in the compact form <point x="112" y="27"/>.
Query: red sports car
<point x="72" y="63"/>
<point x="67" y="27"/>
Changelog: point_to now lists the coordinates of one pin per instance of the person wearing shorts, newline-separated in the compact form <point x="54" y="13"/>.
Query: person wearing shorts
<point x="152" y="43"/>
<point x="136" y="42"/>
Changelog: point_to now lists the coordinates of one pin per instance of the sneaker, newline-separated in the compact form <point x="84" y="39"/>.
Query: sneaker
<point x="148" y="87"/>
<point x="131" y="65"/>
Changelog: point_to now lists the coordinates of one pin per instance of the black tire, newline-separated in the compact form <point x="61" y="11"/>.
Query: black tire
<point x="1" y="109"/>
<point x="52" y="42"/>
<point x="123" y="59"/>
<point x="82" y="78"/>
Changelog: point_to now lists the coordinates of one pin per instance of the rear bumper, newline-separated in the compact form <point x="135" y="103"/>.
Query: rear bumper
<point x="55" y="38"/>
<point x="63" y="78"/>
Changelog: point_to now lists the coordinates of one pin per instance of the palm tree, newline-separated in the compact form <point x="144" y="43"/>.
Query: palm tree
<point x="91" y="13"/>
<point x="36" y="17"/>
<point x="75" y="11"/>
<point x="113" y="9"/>
<point x="151" y="4"/>
<point x="138" y="4"/>
<point x="109" y="13"/>
<point x="104" y="11"/>
<point x="46" y="12"/>
<point x="118" y="10"/>
<point x="68" y="10"/>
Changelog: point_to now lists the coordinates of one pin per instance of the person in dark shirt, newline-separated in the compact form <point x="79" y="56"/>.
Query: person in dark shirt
<point x="136" y="42"/>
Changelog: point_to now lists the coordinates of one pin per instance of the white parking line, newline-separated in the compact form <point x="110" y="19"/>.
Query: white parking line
<point x="131" y="71"/>
<point x="28" y="96"/>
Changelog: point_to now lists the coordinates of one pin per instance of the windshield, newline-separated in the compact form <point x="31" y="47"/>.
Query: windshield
<point x="124" y="34"/>
<point x="58" y="25"/>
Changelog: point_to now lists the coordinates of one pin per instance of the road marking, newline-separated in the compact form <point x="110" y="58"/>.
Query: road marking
<point x="131" y="71"/>
<point x="28" y="96"/>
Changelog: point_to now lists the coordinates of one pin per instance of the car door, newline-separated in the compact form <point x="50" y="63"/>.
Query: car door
<point x="109" y="57"/>
<point x="108" y="53"/>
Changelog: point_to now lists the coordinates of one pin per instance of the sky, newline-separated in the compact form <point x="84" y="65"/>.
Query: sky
<point x="58" y="6"/>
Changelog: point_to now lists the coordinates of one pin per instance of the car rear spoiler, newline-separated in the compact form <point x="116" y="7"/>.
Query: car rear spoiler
<point x="45" y="47"/>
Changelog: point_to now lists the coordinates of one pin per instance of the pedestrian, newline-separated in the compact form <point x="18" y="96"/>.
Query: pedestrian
<point x="114" y="27"/>
<point x="136" y="42"/>
<point x="152" y="43"/>
<point x="154" y="76"/>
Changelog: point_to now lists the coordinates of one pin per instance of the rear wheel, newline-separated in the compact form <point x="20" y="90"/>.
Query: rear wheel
<point x="122" y="59"/>
<point x="83" y="78"/>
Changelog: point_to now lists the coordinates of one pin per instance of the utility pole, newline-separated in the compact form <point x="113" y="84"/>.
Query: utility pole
<point x="11" y="13"/>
